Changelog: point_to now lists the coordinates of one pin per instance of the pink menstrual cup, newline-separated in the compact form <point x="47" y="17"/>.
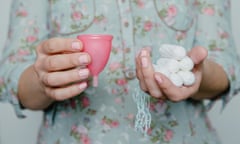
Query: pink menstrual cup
<point x="98" y="46"/>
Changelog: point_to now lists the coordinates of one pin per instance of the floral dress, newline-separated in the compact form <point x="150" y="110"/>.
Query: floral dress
<point x="106" y="114"/>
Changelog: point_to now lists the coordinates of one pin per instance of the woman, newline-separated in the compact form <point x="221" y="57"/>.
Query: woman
<point x="56" y="80"/>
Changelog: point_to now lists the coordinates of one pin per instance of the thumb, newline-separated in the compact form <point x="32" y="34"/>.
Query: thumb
<point x="198" y="54"/>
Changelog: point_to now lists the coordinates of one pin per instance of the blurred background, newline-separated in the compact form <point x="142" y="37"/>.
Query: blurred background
<point x="24" y="131"/>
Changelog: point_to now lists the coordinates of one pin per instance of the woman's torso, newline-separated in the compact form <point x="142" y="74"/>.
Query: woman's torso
<point x="105" y="115"/>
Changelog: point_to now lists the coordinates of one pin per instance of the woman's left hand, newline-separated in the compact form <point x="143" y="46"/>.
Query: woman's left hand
<point x="159" y="86"/>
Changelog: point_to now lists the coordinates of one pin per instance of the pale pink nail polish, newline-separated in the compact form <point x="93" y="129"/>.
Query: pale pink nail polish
<point x="82" y="85"/>
<point x="144" y="53"/>
<point x="159" y="79"/>
<point x="76" y="45"/>
<point x="83" y="73"/>
<point x="83" y="59"/>
<point x="144" y="61"/>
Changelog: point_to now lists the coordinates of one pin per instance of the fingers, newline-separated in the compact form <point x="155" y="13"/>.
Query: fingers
<point x="61" y="78"/>
<point x="198" y="54"/>
<point x="65" y="61"/>
<point x="67" y="92"/>
<point x="146" y="74"/>
<point x="174" y="93"/>
<point x="57" y="66"/>
<point x="60" y="54"/>
<point x="159" y="86"/>
<point x="60" y="45"/>
<point x="140" y="76"/>
<point x="168" y="88"/>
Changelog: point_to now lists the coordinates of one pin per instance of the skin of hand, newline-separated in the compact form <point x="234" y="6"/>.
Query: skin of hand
<point x="211" y="80"/>
<point x="58" y="73"/>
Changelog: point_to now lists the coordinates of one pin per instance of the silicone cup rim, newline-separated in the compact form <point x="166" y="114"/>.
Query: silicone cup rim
<point x="95" y="36"/>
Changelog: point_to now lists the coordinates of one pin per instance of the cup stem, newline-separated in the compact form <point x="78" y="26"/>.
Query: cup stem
<point x="95" y="80"/>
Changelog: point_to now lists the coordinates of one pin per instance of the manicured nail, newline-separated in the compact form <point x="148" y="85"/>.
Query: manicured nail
<point x="76" y="45"/>
<point x="83" y="73"/>
<point x="144" y="61"/>
<point x="159" y="79"/>
<point x="144" y="53"/>
<point x="82" y="85"/>
<point x="83" y="59"/>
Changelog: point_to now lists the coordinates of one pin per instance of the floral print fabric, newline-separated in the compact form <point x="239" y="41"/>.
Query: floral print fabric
<point x="106" y="114"/>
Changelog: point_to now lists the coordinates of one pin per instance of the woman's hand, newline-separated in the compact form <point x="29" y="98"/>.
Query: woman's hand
<point x="61" y="68"/>
<point x="58" y="73"/>
<point x="159" y="86"/>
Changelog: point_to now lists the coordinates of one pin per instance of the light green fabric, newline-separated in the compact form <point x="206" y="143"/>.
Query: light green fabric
<point x="106" y="114"/>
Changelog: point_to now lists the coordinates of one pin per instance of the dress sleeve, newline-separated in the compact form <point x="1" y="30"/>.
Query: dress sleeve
<point x="214" y="33"/>
<point x="27" y="27"/>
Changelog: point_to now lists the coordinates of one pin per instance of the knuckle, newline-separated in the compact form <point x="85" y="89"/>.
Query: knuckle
<point x="47" y="80"/>
<point x="50" y="48"/>
<point x="46" y="44"/>
<point x="50" y="64"/>
<point x="51" y="45"/>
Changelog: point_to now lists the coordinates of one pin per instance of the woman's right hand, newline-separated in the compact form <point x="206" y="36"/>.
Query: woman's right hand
<point x="61" y="67"/>
<point x="59" y="73"/>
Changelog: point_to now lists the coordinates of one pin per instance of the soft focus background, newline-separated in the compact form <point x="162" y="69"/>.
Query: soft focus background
<point x="24" y="131"/>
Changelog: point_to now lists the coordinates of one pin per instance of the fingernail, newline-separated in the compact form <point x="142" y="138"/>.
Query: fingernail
<point x="159" y="79"/>
<point x="83" y="85"/>
<point x="144" y="61"/>
<point x="83" y="73"/>
<point x="143" y="53"/>
<point x="76" y="45"/>
<point x="83" y="59"/>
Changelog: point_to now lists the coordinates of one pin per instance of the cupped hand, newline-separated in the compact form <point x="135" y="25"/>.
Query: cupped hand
<point x="159" y="86"/>
<point x="61" y="68"/>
